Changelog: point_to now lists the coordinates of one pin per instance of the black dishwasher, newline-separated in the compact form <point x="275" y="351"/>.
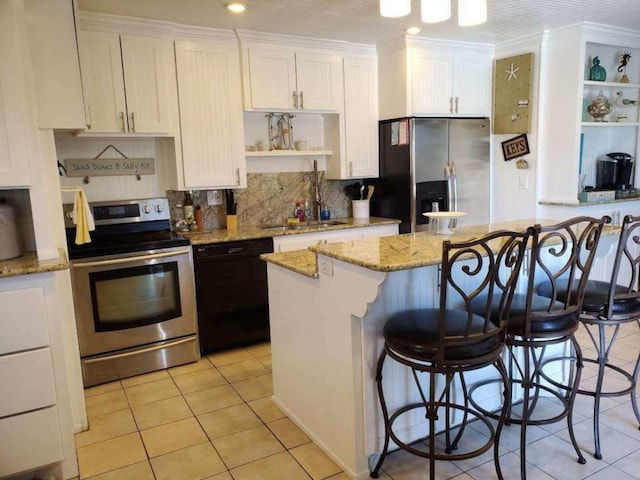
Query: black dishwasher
<point x="231" y="293"/>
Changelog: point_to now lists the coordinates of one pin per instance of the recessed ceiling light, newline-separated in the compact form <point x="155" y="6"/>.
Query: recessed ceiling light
<point x="235" y="7"/>
<point x="413" y="30"/>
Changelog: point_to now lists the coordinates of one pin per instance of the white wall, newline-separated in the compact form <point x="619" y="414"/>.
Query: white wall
<point x="115" y="187"/>
<point x="511" y="200"/>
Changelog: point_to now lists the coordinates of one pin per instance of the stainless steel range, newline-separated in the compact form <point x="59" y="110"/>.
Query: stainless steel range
<point x="133" y="291"/>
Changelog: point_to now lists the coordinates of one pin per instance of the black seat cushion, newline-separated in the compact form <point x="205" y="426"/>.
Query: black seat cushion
<point x="414" y="334"/>
<point x="595" y="296"/>
<point x="516" y="319"/>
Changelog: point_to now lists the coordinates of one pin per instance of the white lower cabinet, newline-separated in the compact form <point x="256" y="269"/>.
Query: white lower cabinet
<point x="36" y="428"/>
<point x="211" y="120"/>
<point x="287" y="243"/>
<point x="29" y="440"/>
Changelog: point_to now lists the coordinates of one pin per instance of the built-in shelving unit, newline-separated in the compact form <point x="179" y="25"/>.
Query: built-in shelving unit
<point x="288" y="153"/>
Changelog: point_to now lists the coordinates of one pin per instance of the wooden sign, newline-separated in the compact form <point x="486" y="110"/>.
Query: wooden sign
<point x="95" y="167"/>
<point x="512" y="94"/>
<point x="515" y="148"/>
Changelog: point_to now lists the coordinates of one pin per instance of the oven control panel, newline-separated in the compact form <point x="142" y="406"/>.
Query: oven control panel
<point x="123" y="211"/>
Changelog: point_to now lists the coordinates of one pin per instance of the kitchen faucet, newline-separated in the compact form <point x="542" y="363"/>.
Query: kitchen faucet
<point x="316" y="182"/>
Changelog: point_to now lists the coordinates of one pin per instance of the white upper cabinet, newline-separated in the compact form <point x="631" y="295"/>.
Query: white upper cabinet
<point x="318" y="79"/>
<point x="272" y="76"/>
<point x="361" y="116"/>
<point x="450" y="83"/>
<point x="439" y="78"/>
<point x="288" y="77"/>
<point x="14" y="163"/>
<point x="125" y="82"/>
<point x="211" y="118"/>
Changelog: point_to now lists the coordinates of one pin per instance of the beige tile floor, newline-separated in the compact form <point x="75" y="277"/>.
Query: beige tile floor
<point x="214" y="420"/>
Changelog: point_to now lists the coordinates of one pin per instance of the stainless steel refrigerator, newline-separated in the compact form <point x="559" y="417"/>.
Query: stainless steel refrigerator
<point x="426" y="162"/>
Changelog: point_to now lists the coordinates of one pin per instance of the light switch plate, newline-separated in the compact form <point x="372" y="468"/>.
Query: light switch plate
<point x="214" y="197"/>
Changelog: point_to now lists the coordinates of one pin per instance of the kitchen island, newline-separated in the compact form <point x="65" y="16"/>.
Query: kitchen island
<point x="326" y="335"/>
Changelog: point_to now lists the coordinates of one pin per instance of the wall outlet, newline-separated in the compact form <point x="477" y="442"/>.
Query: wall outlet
<point x="214" y="197"/>
<point x="325" y="266"/>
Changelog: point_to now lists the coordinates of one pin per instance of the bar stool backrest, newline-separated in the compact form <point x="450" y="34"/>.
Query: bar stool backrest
<point x="627" y="263"/>
<point x="561" y="254"/>
<point x="482" y="263"/>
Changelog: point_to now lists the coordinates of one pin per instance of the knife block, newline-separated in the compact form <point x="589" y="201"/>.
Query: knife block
<point x="232" y="222"/>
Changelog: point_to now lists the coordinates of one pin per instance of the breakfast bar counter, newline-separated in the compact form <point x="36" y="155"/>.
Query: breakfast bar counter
<point x="326" y="334"/>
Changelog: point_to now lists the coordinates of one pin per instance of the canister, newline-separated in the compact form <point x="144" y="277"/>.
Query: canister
<point x="9" y="244"/>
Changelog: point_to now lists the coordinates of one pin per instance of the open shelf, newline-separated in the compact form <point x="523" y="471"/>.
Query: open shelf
<point x="610" y="124"/>
<point x="289" y="153"/>
<point x="611" y="84"/>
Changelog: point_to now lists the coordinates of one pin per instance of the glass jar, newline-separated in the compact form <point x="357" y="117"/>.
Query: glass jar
<point x="600" y="108"/>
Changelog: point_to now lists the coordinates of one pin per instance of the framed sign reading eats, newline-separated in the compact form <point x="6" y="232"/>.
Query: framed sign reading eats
<point x="516" y="147"/>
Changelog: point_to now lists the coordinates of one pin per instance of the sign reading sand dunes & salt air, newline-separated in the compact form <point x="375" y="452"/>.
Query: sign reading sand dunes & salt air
<point x="109" y="166"/>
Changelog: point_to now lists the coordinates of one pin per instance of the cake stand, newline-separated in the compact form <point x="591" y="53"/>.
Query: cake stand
<point x="442" y="219"/>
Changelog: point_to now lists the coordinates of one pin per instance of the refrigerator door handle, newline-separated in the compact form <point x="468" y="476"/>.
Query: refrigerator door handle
<point x="454" y="177"/>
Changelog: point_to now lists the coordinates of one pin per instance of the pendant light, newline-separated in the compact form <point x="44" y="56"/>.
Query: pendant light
<point x="395" y="8"/>
<point x="472" y="12"/>
<point x="433" y="11"/>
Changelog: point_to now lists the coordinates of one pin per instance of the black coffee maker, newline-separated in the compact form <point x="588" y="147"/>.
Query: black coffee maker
<point x="614" y="173"/>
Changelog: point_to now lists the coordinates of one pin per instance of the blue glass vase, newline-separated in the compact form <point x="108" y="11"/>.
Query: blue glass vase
<point x="597" y="72"/>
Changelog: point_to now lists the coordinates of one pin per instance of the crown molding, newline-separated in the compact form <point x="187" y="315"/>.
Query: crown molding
<point x="413" y="41"/>
<point x="127" y="25"/>
<point x="247" y="37"/>
<point x="192" y="32"/>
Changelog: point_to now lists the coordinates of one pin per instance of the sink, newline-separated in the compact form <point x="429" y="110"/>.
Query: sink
<point x="312" y="225"/>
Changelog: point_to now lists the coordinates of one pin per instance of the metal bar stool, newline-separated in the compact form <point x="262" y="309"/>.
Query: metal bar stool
<point x="535" y="323"/>
<point x="610" y="304"/>
<point x="449" y="342"/>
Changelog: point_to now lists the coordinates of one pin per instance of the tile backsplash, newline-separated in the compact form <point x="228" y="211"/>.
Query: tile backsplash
<point x="268" y="199"/>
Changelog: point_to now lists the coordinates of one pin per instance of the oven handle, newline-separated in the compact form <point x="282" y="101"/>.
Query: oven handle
<point x="117" y="261"/>
<point x="138" y="352"/>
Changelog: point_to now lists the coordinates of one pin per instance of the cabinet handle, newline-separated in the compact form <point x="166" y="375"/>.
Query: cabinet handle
<point x="301" y="100"/>
<point x="238" y="176"/>
<point x="133" y="122"/>
<point x="450" y="104"/>
<point x="351" y="169"/>
<point x="295" y="99"/>
<point x="89" y="115"/>
<point x="457" y="98"/>
<point x="122" y="121"/>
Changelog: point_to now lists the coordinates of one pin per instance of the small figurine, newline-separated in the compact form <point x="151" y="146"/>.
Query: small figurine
<point x="626" y="56"/>
<point x="597" y="72"/>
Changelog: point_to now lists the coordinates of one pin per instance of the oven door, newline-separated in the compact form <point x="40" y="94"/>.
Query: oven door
<point x="133" y="299"/>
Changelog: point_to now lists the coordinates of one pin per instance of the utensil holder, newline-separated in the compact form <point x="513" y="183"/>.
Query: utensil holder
<point x="360" y="208"/>
<point x="232" y="222"/>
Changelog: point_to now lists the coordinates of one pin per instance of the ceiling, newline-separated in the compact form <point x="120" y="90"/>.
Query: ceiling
<point x="359" y="20"/>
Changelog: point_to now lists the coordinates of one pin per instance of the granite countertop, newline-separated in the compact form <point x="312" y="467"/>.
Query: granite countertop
<point x="28" y="263"/>
<point x="304" y="262"/>
<point x="400" y="252"/>
<point x="248" y="233"/>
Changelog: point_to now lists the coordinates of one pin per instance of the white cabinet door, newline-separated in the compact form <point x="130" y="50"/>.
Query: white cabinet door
<point x="145" y="61"/>
<point x="272" y="75"/>
<point x="103" y="82"/>
<point x="210" y="114"/>
<point x="361" y="117"/>
<point x="472" y="84"/>
<point x="14" y="165"/>
<point x="445" y="82"/>
<point x="29" y="441"/>
<point x="318" y="80"/>
<point x="432" y="82"/>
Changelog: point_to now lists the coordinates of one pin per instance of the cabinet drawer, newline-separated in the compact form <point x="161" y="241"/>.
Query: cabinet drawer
<point x="29" y="441"/>
<point x="27" y="382"/>
<point x="23" y="320"/>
